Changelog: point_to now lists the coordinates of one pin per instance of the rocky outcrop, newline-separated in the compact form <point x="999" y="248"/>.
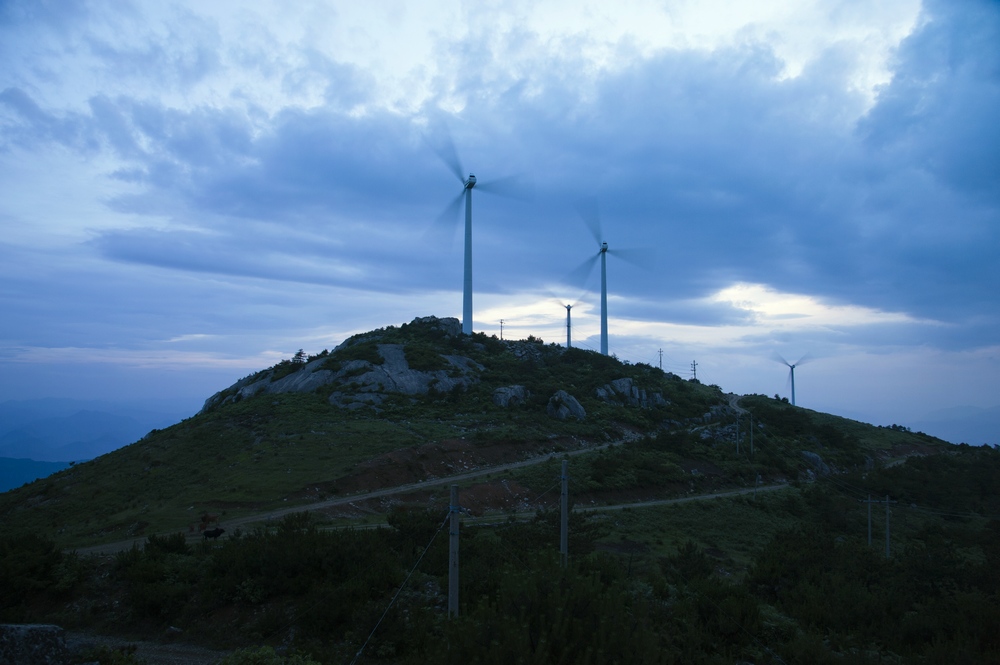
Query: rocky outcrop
<point x="395" y="376"/>
<point x="624" y="391"/>
<point x="817" y="463"/>
<point x="562" y="405"/>
<point x="32" y="644"/>
<point x="508" y="396"/>
<point x="361" y="382"/>
<point x="451" y="326"/>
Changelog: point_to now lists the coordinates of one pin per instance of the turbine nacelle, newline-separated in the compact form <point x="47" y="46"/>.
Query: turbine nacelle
<point x="471" y="182"/>
<point x="604" y="248"/>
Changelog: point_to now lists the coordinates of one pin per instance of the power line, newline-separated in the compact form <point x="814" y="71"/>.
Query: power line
<point x="400" y="589"/>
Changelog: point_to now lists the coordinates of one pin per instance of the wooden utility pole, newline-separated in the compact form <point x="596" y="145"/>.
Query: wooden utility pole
<point x="453" y="509"/>
<point x="564" y="516"/>
<point x="886" y="525"/>
<point x="869" y="501"/>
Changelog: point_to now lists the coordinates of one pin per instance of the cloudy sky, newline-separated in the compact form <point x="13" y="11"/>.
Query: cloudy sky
<point x="191" y="191"/>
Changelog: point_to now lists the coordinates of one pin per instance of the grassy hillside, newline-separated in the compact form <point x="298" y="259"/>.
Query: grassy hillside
<point x="784" y="578"/>
<point x="655" y="575"/>
<point x="276" y="450"/>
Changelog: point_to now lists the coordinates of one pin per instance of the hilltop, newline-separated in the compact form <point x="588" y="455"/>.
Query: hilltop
<point x="421" y="401"/>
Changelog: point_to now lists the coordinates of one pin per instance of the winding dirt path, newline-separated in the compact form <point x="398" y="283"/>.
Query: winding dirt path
<point x="111" y="548"/>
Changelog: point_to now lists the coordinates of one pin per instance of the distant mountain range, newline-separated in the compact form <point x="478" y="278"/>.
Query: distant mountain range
<point x="40" y="437"/>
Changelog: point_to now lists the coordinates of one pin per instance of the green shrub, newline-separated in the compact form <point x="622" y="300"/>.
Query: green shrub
<point x="264" y="656"/>
<point x="424" y="358"/>
<point x="105" y="655"/>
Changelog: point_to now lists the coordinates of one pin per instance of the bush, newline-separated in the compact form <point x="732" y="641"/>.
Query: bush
<point x="264" y="656"/>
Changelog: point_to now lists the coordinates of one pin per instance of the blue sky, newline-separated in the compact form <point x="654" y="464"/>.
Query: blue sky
<point x="192" y="191"/>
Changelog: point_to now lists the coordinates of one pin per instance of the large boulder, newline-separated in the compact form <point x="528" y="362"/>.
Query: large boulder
<point x="817" y="463"/>
<point x="562" y="405"/>
<point x="451" y="326"/>
<point x="32" y="644"/>
<point x="510" y="396"/>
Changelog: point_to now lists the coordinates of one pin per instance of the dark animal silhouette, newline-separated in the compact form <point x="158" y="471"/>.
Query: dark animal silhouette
<point x="213" y="533"/>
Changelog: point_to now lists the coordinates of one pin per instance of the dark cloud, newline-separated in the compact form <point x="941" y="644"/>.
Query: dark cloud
<point x="727" y="171"/>
<point x="939" y="111"/>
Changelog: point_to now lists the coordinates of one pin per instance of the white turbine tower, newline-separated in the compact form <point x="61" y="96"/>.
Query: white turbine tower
<point x="580" y="274"/>
<point x="791" y="370"/>
<point x="569" y="327"/>
<point x="505" y="186"/>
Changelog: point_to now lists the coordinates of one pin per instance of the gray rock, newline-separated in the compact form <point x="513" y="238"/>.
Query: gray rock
<point x="302" y="382"/>
<point x="450" y="325"/>
<point x="562" y="405"/>
<point x="511" y="396"/>
<point x="622" y="386"/>
<point x="253" y="388"/>
<point x="624" y="391"/>
<point x="394" y="375"/>
<point x="816" y="462"/>
<point x="32" y="644"/>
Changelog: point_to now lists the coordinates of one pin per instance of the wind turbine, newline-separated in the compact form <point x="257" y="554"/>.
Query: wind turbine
<point x="791" y="370"/>
<point x="446" y="151"/>
<point x="592" y="219"/>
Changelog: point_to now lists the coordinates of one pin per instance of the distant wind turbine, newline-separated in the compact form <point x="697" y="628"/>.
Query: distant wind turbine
<point x="592" y="219"/>
<point x="791" y="370"/>
<point x="504" y="186"/>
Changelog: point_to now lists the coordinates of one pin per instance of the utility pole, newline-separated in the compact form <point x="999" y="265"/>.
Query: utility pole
<point x="887" y="525"/>
<point x="751" y="436"/>
<point x="737" y="435"/>
<point x="694" y="370"/>
<point x="454" y="510"/>
<point x="501" y="330"/>
<point x="661" y="360"/>
<point x="869" y="501"/>
<point x="564" y="516"/>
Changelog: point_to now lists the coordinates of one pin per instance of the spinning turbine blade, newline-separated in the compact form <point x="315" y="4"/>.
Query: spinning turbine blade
<point x="515" y="187"/>
<point x="643" y="258"/>
<point x="444" y="148"/>
<point x="445" y="223"/>
<point x="591" y="216"/>
<point x="580" y="274"/>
